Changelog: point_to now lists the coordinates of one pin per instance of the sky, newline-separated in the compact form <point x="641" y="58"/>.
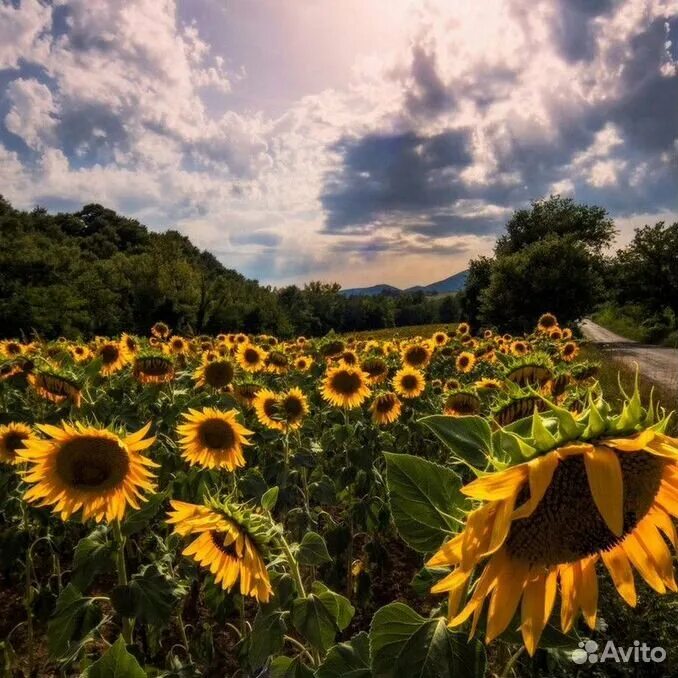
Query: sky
<point x="357" y="141"/>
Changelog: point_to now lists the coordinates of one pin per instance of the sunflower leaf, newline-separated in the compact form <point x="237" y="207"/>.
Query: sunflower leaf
<point x="73" y="620"/>
<point x="312" y="550"/>
<point x="423" y="498"/>
<point x="402" y="643"/>
<point x="117" y="662"/>
<point x="286" y="667"/>
<point x="93" y="554"/>
<point x="468" y="438"/>
<point x="349" y="660"/>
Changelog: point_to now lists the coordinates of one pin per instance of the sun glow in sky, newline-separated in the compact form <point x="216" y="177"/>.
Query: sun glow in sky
<point x="362" y="141"/>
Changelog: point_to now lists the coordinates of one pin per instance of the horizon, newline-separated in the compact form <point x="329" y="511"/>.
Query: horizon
<point x="356" y="142"/>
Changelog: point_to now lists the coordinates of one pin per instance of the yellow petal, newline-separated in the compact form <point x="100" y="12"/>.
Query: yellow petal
<point x="541" y="472"/>
<point x="505" y="598"/>
<point x="618" y="566"/>
<point x="532" y="610"/>
<point x="641" y="560"/>
<point x="588" y="591"/>
<point x="570" y="580"/>
<point x="607" y="486"/>
<point x="497" y="486"/>
<point x="631" y="444"/>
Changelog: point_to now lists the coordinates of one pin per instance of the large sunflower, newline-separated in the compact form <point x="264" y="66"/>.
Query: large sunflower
<point x="112" y="357"/>
<point x="345" y="386"/>
<point x="386" y="408"/>
<point x="266" y="407"/>
<point x="594" y="488"/>
<point x="416" y="355"/>
<point x="213" y="438"/>
<point x="153" y="367"/>
<point x="82" y="467"/>
<point x="408" y="382"/>
<point x="228" y="544"/>
<point x="55" y="386"/>
<point x="251" y="358"/>
<point x="293" y="407"/>
<point x="217" y="373"/>
<point x="465" y="361"/>
<point x="13" y="437"/>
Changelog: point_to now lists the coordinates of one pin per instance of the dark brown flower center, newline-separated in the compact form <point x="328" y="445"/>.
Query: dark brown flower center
<point x="567" y="526"/>
<point x="216" y="434"/>
<point x="416" y="356"/>
<point x="409" y="382"/>
<point x="109" y="354"/>
<point x="219" y="538"/>
<point x="219" y="374"/>
<point x="346" y="383"/>
<point x="14" y="441"/>
<point x="292" y="408"/>
<point x="92" y="463"/>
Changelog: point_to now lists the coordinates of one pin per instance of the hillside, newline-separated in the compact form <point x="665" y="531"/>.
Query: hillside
<point x="452" y="284"/>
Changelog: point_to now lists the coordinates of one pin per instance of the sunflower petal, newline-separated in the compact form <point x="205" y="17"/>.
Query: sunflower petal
<point x="607" y="486"/>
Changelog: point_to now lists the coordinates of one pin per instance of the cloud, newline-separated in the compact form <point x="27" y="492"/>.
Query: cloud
<point x="413" y="163"/>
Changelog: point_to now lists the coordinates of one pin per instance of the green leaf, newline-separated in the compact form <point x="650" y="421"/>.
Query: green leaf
<point x="348" y="660"/>
<point x="138" y="520"/>
<point x="150" y="597"/>
<point x="403" y="643"/>
<point x="321" y="615"/>
<point x="117" y="662"/>
<point x="423" y="498"/>
<point x="93" y="554"/>
<point x="73" y="619"/>
<point x="312" y="550"/>
<point x="468" y="438"/>
<point x="426" y="577"/>
<point x="270" y="498"/>
<point x="286" y="667"/>
<point x="266" y="638"/>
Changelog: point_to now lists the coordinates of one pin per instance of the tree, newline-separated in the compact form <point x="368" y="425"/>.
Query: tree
<point x="557" y="274"/>
<point x="478" y="278"/>
<point x="645" y="272"/>
<point x="556" y="216"/>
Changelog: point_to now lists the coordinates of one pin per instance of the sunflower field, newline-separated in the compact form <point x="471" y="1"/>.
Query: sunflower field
<point x="449" y="505"/>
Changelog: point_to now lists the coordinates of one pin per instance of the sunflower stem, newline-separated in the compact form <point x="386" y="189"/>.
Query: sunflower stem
<point x="28" y="596"/>
<point x="127" y="622"/>
<point x="293" y="565"/>
<point x="511" y="662"/>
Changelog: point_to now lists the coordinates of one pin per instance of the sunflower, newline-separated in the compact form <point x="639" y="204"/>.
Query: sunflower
<point x="293" y="407"/>
<point x="80" y="353"/>
<point x="153" y="367"/>
<point x="246" y="392"/>
<point x="251" y="358"/>
<point x="217" y="373"/>
<point x="451" y="384"/>
<point x="266" y="407"/>
<point x="277" y="362"/>
<point x="112" y="357"/>
<point x="408" y="382"/>
<point x="130" y="345"/>
<point x="13" y="437"/>
<point x="55" y="386"/>
<point x="487" y="334"/>
<point x="439" y="338"/>
<point x="226" y="545"/>
<point x="345" y="386"/>
<point x="332" y="348"/>
<point x="463" y="328"/>
<point x="82" y="467"/>
<point x="178" y="345"/>
<point x="160" y="331"/>
<point x="349" y="358"/>
<point x="489" y="384"/>
<point x="213" y="438"/>
<point x="461" y="404"/>
<point x="11" y="348"/>
<point x="385" y="408"/>
<point x="416" y="356"/>
<point x="569" y="351"/>
<point x="519" y="347"/>
<point x="465" y="361"/>
<point x="594" y="488"/>
<point x="567" y="333"/>
<point x="546" y="322"/>
<point x="556" y="334"/>
<point x="375" y="368"/>
<point x="303" y="363"/>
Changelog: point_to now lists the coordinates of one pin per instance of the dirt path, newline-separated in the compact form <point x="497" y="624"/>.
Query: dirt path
<point x="656" y="363"/>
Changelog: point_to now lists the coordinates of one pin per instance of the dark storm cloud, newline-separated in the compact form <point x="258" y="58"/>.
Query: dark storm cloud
<point x="393" y="172"/>
<point x="429" y="95"/>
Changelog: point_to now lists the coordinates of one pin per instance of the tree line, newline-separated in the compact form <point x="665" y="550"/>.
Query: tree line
<point x="95" y="272"/>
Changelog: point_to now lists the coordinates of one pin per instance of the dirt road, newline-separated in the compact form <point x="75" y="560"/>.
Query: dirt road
<point x="656" y="363"/>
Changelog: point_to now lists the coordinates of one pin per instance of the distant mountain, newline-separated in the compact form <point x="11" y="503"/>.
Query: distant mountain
<point x="452" y="284"/>
<point x="371" y="291"/>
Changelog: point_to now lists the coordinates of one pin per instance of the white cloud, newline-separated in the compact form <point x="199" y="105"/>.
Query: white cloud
<point x="32" y="111"/>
